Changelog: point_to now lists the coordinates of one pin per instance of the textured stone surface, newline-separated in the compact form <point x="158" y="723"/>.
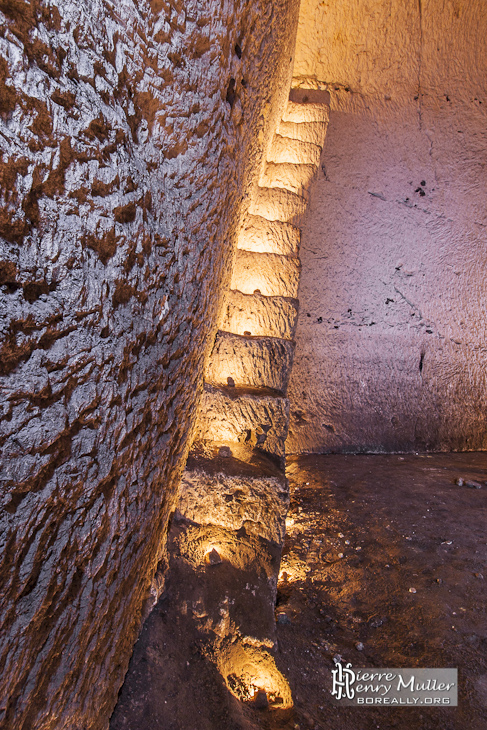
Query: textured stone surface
<point x="391" y="336"/>
<point x="278" y="205"/>
<point x="296" y="178"/>
<point x="286" y="149"/>
<point x="261" y="316"/>
<point x="271" y="274"/>
<point x="185" y="662"/>
<point x="233" y="493"/>
<point x="338" y="503"/>
<point x="227" y="415"/>
<point x="263" y="236"/>
<point x="250" y="361"/>
<point x="297" y="112"/>
<point x="128" y="131"/>
<point x="313" y="132"/>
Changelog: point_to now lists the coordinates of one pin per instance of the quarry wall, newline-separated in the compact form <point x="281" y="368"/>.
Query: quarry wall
<point x="391" y="333"/>
<point x="130" y="136"/>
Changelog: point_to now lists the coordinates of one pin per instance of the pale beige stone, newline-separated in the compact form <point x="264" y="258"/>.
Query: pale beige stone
<point x="390" y="346"/>
<point x="235" y="494"/>
<point x="305" y="112"/>
<point x="286" y="149"/>
<point x="290" y="176"/>
<point x="270" y="274"/>
<point x="263" y="236"/>
<point x="277" y="204"/>
<point x="262" y="316"/>
<point x="258" y="362"/>
<point x="228" y="416"/>
<point x="313" y="132"/>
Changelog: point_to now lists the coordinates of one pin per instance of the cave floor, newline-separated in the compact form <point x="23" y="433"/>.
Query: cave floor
<point x="362" y="531"/>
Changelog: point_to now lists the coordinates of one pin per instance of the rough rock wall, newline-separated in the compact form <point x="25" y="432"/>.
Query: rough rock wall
<point x="392" y="327"/>
<point x="127" y="133"/>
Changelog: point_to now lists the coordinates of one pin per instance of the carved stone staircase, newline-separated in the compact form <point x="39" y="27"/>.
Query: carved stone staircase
<point x="234" y="493"/>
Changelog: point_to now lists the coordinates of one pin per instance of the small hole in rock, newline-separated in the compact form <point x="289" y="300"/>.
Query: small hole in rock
<point x="231" y="95"/>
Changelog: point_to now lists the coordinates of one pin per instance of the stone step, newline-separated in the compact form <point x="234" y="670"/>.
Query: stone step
<point x="235" y="488"/>
<point x="257" y="419"/>
<point x="260" y="316"/>
<point x="296" y="178"/>
<point x="286" y="149"/>
<point x="226" y="590"/>
<point x="312" y="132"/>
<point x="277" y="204"/>
<point x="256" y="362"/>
<point x="268" y="273"/>
<point x="263" y="236"/>
<point x="299" y="113"/>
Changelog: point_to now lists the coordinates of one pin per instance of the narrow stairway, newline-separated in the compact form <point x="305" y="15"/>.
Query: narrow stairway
<point x="234" y="494"/>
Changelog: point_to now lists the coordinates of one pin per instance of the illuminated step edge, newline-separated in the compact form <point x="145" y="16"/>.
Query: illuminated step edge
<point x="299" y="113"/>
<point x="258" y="362"/>
<point x="259" y="316"/>
<point x="234" y="416"/>
<point x="277" y="204"/>
<point x="285" y="149"/>
<point x="313" y="132"/>
<point x="296" y="178"/>
<point x="236" y="489"/>
<point x="262" y="236"/>
<point x="269" y="274"/>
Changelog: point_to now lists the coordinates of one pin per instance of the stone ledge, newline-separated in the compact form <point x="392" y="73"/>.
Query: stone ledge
<point x="260" y="421"/>
<point x="277" y="204"/>
<point x="314" y="132"/>
<point x="286" y="149"/>
<point x="234" y="495"/>
<point x="260" y="235"/>
<point x="296" y="178"/>
<point x="250" y="361"/>
<point x="262" y="316"/>
<point x="269" y="274"/>
<point x="303" y="112"/>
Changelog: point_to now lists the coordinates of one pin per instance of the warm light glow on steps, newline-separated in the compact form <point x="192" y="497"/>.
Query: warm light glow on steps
<point x="256" y="419"/>
<point x="261" y="316"/>
<point x="285" y="149"/>
<point x="250" y="669"/>
<point x="269" y="274"/>
<point x="290" y="176"/>
<point x="259" y="362"/>
<point x="277" y="204"/>
<point x="260" y="235"/>
<point x="234" y="491"/>
<point x="313" y="132"/>
<point x="305" y="113"/>
<point x="223" y="503"/>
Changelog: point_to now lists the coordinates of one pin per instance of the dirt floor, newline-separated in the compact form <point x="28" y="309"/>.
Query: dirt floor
<point x="384" y="565"/>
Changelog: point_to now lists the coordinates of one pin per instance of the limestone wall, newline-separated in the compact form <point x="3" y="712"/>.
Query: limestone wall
<point x="128" y="132"/>
<point x="392" y="328"/>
